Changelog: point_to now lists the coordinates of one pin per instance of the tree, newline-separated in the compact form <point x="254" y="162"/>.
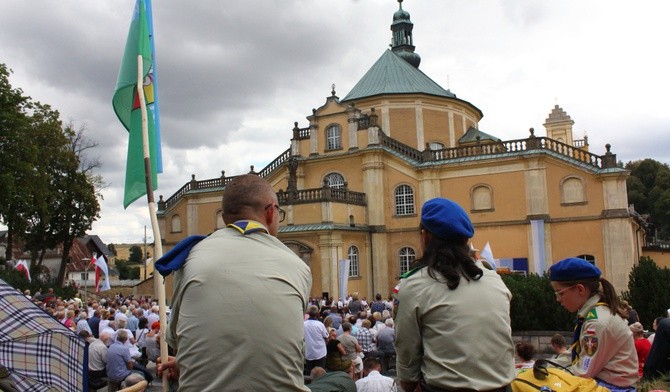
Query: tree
<point x="648" y="290"/>
<point x="649" y="190"/>
<point x="135" y="255"/>
<point x="48" y="192"/>
<point x="15" y="161"/>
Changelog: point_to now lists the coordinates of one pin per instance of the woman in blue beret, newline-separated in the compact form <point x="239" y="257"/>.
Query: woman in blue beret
<point x="453" y="328"/>
<point x="603" y="346"/>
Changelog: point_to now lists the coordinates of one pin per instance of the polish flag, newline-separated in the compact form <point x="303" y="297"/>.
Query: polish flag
<point x="101" y="265"/>
<point x="22" y="267"/>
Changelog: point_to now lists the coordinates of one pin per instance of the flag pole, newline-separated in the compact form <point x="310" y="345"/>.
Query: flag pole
<point x="159" y="287"/>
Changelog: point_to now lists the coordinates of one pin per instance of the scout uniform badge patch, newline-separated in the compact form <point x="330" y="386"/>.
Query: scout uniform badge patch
<point x="590" y="345"/>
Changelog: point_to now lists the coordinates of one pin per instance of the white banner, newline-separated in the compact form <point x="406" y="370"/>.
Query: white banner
<point x="343" y="278"/>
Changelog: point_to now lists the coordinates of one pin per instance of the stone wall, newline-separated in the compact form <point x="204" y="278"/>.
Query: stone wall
<point x="541" y="339"/>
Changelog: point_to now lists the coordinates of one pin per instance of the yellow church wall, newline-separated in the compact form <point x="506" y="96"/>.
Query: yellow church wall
<point x="556" y="173"/>
<point x="324" y="123"/>
<point x="578" y="238"/>
<point x="508" y="241"/>
<point x="458" y="125"/>
<point x="403" y="125"/>
<point x="660" y="257"/>
<point x="436" y="127"/>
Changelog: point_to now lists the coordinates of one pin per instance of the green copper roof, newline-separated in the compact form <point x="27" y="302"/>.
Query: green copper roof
<point x="472" y="133"/>
<point x="393" y="75"/>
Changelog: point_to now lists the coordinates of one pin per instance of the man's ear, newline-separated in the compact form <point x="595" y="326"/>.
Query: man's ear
<point x="269" y="214"/>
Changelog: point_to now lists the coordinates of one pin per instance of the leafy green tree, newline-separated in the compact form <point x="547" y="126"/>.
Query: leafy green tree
<point x="17" y="157"/>
<point x="648" y="290"/>
<point x="649" y="190"/>
<point x="135" y="255"/>
<point x="127" y="272"/>
<point x="48" y="193"/>
<point x="112" y="248"/>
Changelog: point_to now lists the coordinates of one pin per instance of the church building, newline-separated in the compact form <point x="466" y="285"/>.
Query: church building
<point x="355" y="175"/>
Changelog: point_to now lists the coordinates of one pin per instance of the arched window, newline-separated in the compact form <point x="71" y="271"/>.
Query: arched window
<point x="219" y="219"/>
<point x="333" y="137"/>
<point x="175" y="224"/>
<point x="334" y="180"/>
<point x="572" y="191"/>
<point x="404" y="200"/>
<point x="590" y="258"/>
<point x="353" y="261"/>
<point x="482" y="198"/>
<point x="406" y="257"/>
<point x="435" y="146"/>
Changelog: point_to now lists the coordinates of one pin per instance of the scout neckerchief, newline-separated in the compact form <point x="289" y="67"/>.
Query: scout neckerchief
<point x="576" y="346"/>
<point x="248" y="226"/>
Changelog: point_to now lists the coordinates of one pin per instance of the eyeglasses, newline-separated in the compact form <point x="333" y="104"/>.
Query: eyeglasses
<point x="560" y="292"/>
<point x="282" y="213"/>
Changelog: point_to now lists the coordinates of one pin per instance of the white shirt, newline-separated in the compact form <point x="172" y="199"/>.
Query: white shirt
<point x="375" y="382"/>
<point x="315" y="340"/>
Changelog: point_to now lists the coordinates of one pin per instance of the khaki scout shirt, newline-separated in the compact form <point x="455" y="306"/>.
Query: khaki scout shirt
<point x="607" y="350"/>
<point x="454" y="339"/>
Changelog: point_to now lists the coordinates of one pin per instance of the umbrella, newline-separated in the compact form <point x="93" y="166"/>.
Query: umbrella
<point x="40" y="353"/>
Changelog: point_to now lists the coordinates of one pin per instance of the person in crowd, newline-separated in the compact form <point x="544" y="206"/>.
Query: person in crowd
<point x="316" y="336"/>
<point x="119" y="363"/>
<point x="386" y="342"/>
<point x="367" y="340"/>
<point x="141" y="332"/>
<point x="335" y="316"/>
<point x="642" y="345"/>
<point x="151" y="343"/>
<point x="70" y="321"/>
<point x="562" y="355"/>
<point x="351" y="348"/>
<point x="218" y="279"/>
<point x="654" y="326"/>
<point x="373" y="381"/>
<point x="323" y="381"/>
<point x="378" y="304"/>
<point x="657" y="364"/>
<point x="440" y="302"/>
<point x="94" y="323"/>
<point x="525" y="351"/>
<point x="603" y="346"/>
<point x="97" y="357"/>
<point x="133" y="320"/>
<point x="628" y="312"/>
<point x="335" y="355"/>
<point x="104" y="320"/>
<point x="82" y="324"/>
<point x="355" y="305"/>
<point x="132" y="379"/>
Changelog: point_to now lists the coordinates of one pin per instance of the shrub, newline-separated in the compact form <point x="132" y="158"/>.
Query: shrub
<point x="534" y="306"/>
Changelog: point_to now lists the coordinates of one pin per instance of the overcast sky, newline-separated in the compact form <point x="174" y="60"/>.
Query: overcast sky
<point x="235" y="75"/>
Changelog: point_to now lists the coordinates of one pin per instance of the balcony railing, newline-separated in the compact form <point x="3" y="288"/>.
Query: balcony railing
<point x="315" y="195"/>
<point x="483" y="149"/>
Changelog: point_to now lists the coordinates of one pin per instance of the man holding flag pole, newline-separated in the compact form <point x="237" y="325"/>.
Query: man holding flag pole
<point x="136" y="85"/>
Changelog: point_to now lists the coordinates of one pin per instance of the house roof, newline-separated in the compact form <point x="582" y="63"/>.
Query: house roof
<point x="471" y="136"/>
<point x="393" y="75"/>
<point x="97" y="244"/>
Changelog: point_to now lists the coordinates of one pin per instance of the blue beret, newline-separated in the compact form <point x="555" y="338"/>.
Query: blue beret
<point x="445" y="219"/>
<point x="573" y="269"/>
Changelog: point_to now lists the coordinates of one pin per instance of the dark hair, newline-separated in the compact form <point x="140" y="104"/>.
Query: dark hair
<point x="607" y="294"/>
<point x="525" y="350"/>
<point x="451" y="259"/>
<point x="143" y="323"/>
<point x="243" y="194"/>
<point x="558" y="340"/>
<point x="371" y="363"/>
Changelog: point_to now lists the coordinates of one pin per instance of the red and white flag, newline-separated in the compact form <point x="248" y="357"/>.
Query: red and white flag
<point x="22" y="267"/>
<point x="101" y="266"/>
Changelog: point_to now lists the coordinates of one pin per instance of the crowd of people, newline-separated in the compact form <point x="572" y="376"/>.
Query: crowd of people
<point x="446" y="327"/>
<point x="123" y="334"/>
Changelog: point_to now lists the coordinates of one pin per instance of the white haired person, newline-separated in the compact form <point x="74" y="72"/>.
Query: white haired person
<point x="602" y="346"/>
<point x="442" y="300"/>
